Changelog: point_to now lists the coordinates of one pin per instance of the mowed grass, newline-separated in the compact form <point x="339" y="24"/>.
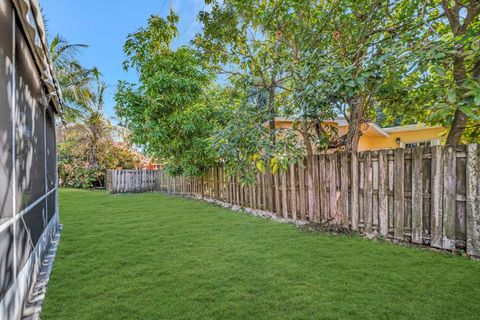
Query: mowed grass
<point x="151" y="256"/>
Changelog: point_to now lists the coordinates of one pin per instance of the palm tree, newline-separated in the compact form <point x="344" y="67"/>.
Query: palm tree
<point x="74" y="79"/>
<point x="92" y="123"/>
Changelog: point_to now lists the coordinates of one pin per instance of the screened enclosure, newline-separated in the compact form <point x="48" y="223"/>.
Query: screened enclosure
<point x="29" y="100"/>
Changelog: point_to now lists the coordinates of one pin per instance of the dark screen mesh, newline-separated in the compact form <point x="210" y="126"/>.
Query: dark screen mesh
<point x="51" y="151"/>
<point x="6" y="89"/>
<point x="6" y="260"/>
<point x="29" y="229"/>
<point x="50" y="206"/>
<point x="30" y="150"/>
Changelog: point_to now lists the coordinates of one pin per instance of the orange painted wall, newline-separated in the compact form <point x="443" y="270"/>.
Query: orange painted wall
<point x="372" y="142"/>
<point x="414" y="135"/>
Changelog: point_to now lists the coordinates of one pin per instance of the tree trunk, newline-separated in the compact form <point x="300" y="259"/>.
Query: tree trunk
<point x="272" y="114"/>
<point x="460" y="119"/>
<point x="357" y="114"/>
<point x="306" y="136"/>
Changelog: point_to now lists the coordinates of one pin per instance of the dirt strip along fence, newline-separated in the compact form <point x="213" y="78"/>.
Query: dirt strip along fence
<point x="425" y="196"/>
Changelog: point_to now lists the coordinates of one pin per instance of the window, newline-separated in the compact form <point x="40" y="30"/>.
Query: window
<point x="418" y="144"/>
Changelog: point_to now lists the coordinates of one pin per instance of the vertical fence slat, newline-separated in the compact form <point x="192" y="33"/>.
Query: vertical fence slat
<point x="293" y="192"/>
<point x="436" y="198"/>
<point x="323" y="189"/>
<point x="473" y="200"/>
<point x="310" y="191"/>
<point x="354" y="192"/>
<point x="417" y="195"/>
<point x="316" y="188"/>
<point x="332" y="186"/>
<point x="449" y="198"/>
<point x="368" y="192"/>
<point x="399" y="195"/>
<point x="284" y="195"/>
<point x="277" y="187"/>
<point x="344" y="188"/>
<point x="301" y="189"/>
<point x="382" y="193"/>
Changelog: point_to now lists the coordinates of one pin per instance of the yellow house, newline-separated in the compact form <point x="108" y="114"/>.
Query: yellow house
<point x="375" y="138"/>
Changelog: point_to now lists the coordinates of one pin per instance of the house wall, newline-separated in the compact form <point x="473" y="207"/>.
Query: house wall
<point x="370" y="141"/>
<point x="416" y="135"/>
<point x="28" y="188"/>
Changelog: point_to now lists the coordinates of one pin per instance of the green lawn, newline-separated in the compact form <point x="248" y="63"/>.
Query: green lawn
<point x="151" y="256"/>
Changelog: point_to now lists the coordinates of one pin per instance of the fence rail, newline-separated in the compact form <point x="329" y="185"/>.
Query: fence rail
<point x="426" y="196"/>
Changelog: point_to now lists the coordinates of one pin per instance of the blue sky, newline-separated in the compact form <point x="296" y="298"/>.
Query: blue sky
<point x="104" y="26"/>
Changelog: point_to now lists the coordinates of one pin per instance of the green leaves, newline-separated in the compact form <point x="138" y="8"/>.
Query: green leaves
<point x="169" y="111"/>
<point x="451" y="96"/>
<point x="309" y="61"/>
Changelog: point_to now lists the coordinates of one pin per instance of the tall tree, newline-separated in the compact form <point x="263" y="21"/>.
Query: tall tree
<point x="91" y="123"/>
<point x="242" y="52"/>
<point x="74" y="79"/>
<point x="168" y="111"/>
<point x="459" y="37"/>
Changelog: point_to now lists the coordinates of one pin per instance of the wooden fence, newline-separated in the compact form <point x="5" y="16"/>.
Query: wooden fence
<point x="121" y="181"/>
<point x="423" y="195"/>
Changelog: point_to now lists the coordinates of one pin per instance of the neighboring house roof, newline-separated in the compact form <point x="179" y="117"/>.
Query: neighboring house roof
<point x="31" y="20"/>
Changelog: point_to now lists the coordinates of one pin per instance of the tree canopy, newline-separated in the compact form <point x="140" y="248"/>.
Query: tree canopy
<point x="216" y="100"/>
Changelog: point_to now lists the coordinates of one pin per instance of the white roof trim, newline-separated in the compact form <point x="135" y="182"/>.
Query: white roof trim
<point x="378" y="129"/>
<point x="411" y="127"/>
<point x="31" y="21"/>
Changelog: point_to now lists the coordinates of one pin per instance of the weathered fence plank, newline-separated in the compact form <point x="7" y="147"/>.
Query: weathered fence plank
<point x="399" y="196"/>
<point x="367" y="192"/>
<point x="354" y="192"/>
<point x="473" y="200"/>
<point x="344" y="189"/>
<point x="301" y="189"/>
<point x="382" y="193"/>
<point x="417" y="195"/>
<point x="449" y="198"/>
<point x="293" y="192"/>
<point x="316" y="189"/>
<point x="283" y="177"/>
<point x="436" y="232"/>
<point x="310" y="190"/>
<point x="332" y="187"/>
